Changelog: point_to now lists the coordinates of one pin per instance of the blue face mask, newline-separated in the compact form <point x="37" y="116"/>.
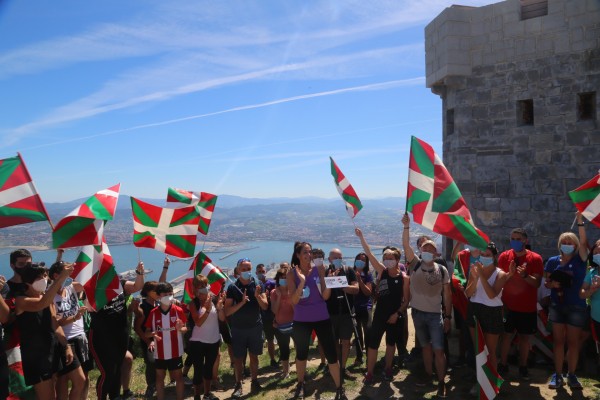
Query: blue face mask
<point x="337" y="263"/>
<point x="260" y="276"/>
<point x="67" y="282"/>
<point x="567" y="249"/>
<point x="516" y="245"/>
<point x="426" y="257"/>
<point x="596" y="259"/>
<point x="246" y="275"/>
<point x="360" y="264"/>
<point x="282" y="282"/>
<point x="485" y="261"/>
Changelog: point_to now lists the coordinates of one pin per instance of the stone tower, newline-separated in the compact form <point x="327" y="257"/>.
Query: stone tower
<point x="519" y="82"/>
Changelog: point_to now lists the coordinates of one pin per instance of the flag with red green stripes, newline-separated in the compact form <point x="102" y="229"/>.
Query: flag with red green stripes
<point x="20" y="202"/>
<point x="204" y="201"/>
<point x="85" y="224"/>
<point x="168" y="230"/>
<point x="487" y="377"/>
<point x="95" y="270"/>
<point x="587" y="199"/>
<point x="353" y="204"/>
<point x="434" y="199"/>
<point x="203" y="265"/>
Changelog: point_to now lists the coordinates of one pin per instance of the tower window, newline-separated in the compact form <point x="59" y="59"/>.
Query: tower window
<point x="525" y="112"/>
<point x="586" y="106"/>
<point x="533" y="8"/>
<point x="450" y="121"/>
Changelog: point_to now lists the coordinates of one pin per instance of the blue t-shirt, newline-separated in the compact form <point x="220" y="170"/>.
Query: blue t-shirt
<point x="577" y="268"/>
<point x="595" y="298"/>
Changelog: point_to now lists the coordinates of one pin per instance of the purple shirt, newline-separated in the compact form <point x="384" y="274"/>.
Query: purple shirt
<point x="313" y="308"/>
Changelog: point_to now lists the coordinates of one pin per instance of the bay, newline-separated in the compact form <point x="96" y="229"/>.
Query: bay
<point x="126" y="256"/>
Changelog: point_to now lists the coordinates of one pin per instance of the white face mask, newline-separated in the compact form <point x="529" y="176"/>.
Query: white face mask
<point x="166" y="300"/>
<point x="390" y="263"/>
<point x="426" y="257"/>
<point x="318" y="262"/>
<point x="39" y="286"/>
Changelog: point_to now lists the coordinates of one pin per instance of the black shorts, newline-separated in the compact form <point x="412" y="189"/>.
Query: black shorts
<point x="40" y="363"/>
<point x="490" y="318"/>
<point x="525" y="323"/>
<point x="393" y="332"/>
<point x="342" y="326"/>
<point x="269" y="330"/>
<point x="171" y="364"/>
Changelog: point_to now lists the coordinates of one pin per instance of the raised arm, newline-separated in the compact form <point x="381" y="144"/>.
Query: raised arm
<point x="408" y="251"/>
<point x="378" y="266"/>
<point x="31" y="304"/>
<point x="132" y="287"/>
<point x="165" y="269"/>
<point x="583" y="244"/>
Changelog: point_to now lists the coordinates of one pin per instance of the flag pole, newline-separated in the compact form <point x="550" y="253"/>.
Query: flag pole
<point x="34" y="188"/>
<point x="573" y="224"/>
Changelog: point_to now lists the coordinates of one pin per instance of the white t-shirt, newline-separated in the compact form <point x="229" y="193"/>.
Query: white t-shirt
<point x="67" y="306"/>
<point x="209" y="331"/>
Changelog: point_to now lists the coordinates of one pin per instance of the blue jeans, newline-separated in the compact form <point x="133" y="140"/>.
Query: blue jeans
<point x="429" y="328"/>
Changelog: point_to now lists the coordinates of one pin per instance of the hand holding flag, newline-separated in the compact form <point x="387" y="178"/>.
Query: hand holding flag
<point x="587" y="199"/>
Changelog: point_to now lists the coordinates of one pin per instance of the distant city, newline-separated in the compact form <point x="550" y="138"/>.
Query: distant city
<point x="239" y="219"/>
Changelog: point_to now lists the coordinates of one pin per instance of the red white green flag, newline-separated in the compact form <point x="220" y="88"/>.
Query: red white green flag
<point x="487" y="377"/>
<point x="587" y="199"/>
<point x="434" y="199"/>
<point x="169" y="230"/>
<point x="203" y="265"/>
<point x="205" y="202"/>
<point x="353" y="204"/>
<point x="20" y="202"/>
<point x="85" y="225"/>
<point x="95" y="270"/>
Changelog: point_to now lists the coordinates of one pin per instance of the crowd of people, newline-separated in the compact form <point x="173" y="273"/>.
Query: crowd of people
<point x="43" y="314"/>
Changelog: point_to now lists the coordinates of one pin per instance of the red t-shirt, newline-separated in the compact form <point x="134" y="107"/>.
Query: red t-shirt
<point x="171" y="345"/>
<point x="517" y="294"/>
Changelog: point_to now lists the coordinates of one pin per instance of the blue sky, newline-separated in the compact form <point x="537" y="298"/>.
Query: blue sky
<point x="248" y="98"/>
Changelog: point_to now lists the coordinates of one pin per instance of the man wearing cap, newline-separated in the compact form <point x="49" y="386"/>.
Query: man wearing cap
<point x="520" y="298"/>
<point x="431" y="303"/>
<point x="244" y="301"/>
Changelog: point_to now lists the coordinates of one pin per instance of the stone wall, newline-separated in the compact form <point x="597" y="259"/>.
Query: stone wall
<point x="483" y="62"/>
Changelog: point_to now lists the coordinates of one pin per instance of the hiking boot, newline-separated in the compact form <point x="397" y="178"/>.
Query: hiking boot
<point x="524" y="373"/>
<point x="300" y="391"/>
<point x="441" y="392"/>
<point x="369" y="379"/>
<point x="388" y="375"/>
<point x="210" y="396"/>
<point x="502" y="369"/>
<point x="255" y="386"/>
<point x="340" y="394"/>
<point x="573" y="382"/>
<point x="556" y="381"/>
<point x="237" y="391"/>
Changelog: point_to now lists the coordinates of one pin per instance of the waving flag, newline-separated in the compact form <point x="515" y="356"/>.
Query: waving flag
<point x="205" y="202"/>
<point x="95" y="270"/>
<point x="203" y="265"/>
<point x="19" y="201"/>
<point x="168" y="230"/>
<point x="353" y="204"/>
<point x="487" y="378"/>
<point x="434" y="198"/>
<point x="85" y="225"/>
<point x="587" y="199"/>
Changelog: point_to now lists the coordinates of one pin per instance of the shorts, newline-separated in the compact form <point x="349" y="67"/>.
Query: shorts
<point x="171" y="364"/>
<point x="268" y="330"/>
<point x="378" y="328"/>
<point x="81" y="356"/>
<point x="225" y="332"/>
<point x="40" y="363"/>
<point x="490" y="318"/>
<point x="429" y="328"/>
<point x="247" y="339"/>
<point x="525" y="323"/>
<point x="573" y="315"/>
<point x="342" y="326"/>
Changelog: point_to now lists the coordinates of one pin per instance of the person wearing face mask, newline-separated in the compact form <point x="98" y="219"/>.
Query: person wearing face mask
<point x="36" y="318"/>
<point x="267" y="315"/>
<point x="318" y="260"/>
<point x="166" y="323"/>
<point x="591" y="284"/>
<point x="431" y="303"/>
<point x="284" y="317"/>
<point x="206" y="311"/>
<point x="148" y="303"/>
<point x="363" y="304"/>
<point x="244" y="301"/>
<point x="340" y="305"/>
<point x="69" y="316"/>
<point x="484" y="289"/>
<point x="393" y="294"/>
<point x="520" y="299"/>
<point x="564" y="275"/>
<point x="4" y="314"/>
